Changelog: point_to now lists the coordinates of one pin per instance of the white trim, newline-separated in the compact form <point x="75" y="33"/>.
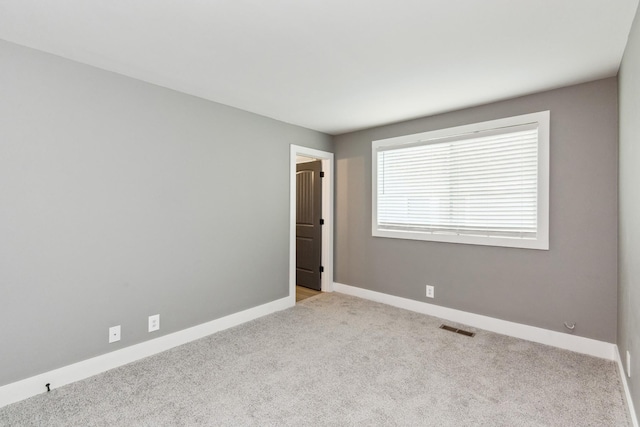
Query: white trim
<point x="625" y="385"/>
<point x="327" y="214"/>
<point x="541" y="242"/>
<point x="32" y="386"/>
<point x="583" y="345"/>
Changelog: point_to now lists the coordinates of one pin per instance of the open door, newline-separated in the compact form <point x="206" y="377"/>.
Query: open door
<point x="309" y="224"/>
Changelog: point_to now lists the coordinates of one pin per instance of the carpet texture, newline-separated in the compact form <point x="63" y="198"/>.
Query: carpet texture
<point x="336" y="360"/>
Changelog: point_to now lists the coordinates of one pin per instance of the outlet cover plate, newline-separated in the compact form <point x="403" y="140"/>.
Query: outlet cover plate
<point x="430" y="291"/>
<point x="154" y="322"/>
<point x="628" y="364"/>
<point x="114" y="334"/>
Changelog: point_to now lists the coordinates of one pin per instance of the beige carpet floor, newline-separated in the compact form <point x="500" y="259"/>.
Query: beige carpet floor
<point x="335" y="360"/>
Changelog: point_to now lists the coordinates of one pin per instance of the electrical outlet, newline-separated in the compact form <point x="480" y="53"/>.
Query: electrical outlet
<point x="628" y="364"/>
<point x="154" y="322"/>
<point x="114" y="334"/>
<point x="430" y="291"/>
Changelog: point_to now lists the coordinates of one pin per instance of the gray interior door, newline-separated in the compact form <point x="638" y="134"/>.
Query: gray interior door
<point x="308" y="224"/>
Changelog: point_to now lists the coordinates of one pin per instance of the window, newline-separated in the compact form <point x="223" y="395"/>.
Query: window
<point x="483" y="184"/>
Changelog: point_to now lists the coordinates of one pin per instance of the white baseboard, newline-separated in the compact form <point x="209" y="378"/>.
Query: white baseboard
<point x="583" y="345"/>
<point x="625" y="385"/>
<point x="32" y="386"/>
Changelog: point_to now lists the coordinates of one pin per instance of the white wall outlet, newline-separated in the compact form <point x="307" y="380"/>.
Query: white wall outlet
<point x="628" y="364"/>
<point x="430" y="291"/>
<point x="154" y="322"/>
<point x="114" y="334"/>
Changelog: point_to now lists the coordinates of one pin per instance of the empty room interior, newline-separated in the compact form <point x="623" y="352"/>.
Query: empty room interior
<point x="320" y="213"/>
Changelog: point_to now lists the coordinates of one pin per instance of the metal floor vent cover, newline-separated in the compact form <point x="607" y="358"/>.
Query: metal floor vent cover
<point x="457" y="331"/>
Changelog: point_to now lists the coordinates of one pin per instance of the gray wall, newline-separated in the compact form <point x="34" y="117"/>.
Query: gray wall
<point x="629" y="222"/>
<point x="120" y="199"/>
<point x="574" y="281"/>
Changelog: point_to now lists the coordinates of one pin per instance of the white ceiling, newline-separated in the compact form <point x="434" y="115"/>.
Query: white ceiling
<point x="335" y="65"/>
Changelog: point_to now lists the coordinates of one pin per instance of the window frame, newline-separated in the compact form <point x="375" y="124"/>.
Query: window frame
<point x="541" y="242"/>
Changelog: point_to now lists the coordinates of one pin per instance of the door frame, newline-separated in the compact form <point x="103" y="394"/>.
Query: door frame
<point x="326" y="281"/>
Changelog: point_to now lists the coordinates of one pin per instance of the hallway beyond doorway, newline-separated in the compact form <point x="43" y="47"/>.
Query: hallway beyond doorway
<point x="304" y="293"/>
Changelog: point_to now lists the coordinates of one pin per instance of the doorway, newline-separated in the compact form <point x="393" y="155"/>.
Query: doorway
<point x="309" y="223"/>
<point x="311" y="227"/>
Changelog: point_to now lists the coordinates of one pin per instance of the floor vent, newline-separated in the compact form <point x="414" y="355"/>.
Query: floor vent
<point x="457" y="331"/>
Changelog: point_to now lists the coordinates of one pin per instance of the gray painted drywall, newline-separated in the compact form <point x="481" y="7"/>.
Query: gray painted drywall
<point x="574" y="281"/>
<point x="119" y="200"/>
<point x="629" y="219"/>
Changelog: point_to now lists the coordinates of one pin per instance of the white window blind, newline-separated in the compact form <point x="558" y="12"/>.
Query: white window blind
<point x="482" y="184"/>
